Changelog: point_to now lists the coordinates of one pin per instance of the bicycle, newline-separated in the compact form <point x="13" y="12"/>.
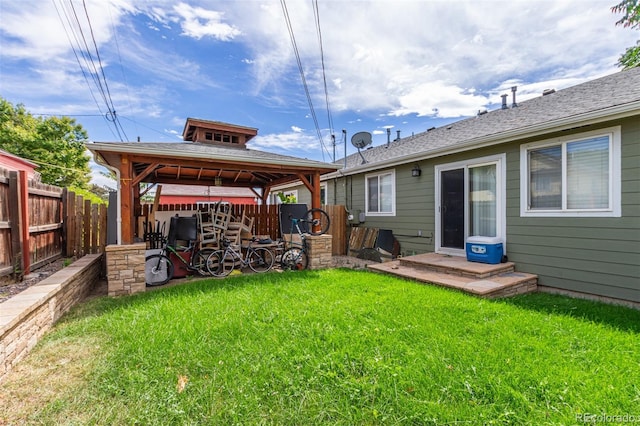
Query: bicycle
<point x="222" y="262"/>
<point x="296" y="256"/>
<point x="159" y="267"/>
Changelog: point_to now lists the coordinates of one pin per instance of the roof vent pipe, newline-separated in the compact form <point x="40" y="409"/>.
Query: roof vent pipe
<point x="398" y="138"/>
<point x="388" y="137"/>
<point x="513" y="90"/>
<point x="504" y="101"/>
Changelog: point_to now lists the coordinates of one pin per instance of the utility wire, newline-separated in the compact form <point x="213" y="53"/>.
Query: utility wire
<point x="304" y="81"/>
<point x="74" y="30"/>
<point x="124" y="77"/>
<point x="316" y="13"/>
<point x="69" y="28"/>
<point x="112" y="109"/>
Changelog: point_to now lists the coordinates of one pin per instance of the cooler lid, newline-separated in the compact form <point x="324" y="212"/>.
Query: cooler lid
<point x="484" y="240"/>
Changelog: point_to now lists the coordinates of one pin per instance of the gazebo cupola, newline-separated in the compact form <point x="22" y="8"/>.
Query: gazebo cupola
<point x="217" y="133"/>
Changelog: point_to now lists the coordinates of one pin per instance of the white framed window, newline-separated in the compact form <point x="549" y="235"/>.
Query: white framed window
<point x="380" y="194"/>
<point x="576" y="175"/>
<point x="323" y="193"/>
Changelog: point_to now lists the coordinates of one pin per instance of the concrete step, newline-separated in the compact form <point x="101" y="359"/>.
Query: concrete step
<point x="500" y="281"/>
<point x="456" y="265"/>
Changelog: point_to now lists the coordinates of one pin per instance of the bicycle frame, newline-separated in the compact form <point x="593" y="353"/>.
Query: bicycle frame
<point x="295" y="256"/>
<point x="259" y="259"/>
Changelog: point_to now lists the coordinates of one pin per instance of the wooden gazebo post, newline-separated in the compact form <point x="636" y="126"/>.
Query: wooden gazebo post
<point x="126" y="200"/>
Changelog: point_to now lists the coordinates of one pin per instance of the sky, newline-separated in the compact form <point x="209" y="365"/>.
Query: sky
<point x="133" y="69"/>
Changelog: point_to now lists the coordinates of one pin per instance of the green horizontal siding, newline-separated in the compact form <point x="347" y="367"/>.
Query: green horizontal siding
<point x="592" y="255"/>
<point x="585" y="254"/>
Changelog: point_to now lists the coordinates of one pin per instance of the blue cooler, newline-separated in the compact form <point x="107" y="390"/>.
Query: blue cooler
<point x="484" y="249"/>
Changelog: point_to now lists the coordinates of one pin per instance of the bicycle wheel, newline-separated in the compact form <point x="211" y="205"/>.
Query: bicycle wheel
<point x="158" y="269"/>
<point x="294" y="259"/>
<point x="317" y="221"/>
<point x="260" y="259"/>
<point x="199" y="262"/>
<point x="220" y="263"/>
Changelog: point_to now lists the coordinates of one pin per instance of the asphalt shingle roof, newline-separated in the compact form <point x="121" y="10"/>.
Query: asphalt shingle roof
<point x="574" y="102"/>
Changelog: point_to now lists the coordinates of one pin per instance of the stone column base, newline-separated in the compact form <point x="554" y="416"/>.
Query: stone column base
<point x="319" y="249"/>
<point x="125" y="269"/>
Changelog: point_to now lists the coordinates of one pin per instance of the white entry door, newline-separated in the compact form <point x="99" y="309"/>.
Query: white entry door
<point x="470" y="201"/>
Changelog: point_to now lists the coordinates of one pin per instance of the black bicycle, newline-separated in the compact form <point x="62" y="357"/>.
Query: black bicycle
<point x="159" y="267"/>
<point x="314" y="222"/>
<point x="222" y="262"/>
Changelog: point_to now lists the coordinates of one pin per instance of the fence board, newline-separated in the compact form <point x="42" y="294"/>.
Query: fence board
<point x="48" y="224"/>
<point x="267" y="222"/>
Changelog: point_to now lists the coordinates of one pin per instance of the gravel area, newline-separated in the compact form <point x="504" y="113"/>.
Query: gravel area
<point x="9" y="288"/>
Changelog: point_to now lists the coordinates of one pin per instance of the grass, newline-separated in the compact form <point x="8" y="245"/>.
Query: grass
<point x="329" y="347"/>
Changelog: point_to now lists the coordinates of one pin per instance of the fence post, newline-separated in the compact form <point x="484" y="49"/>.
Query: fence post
<point x="78" y="231"/>
<point x="65" y="221"/>
<point x="15" y="213"/>
<point x="102" y="239"/>
<point x="86" y="222"/>
<point x="94" y="228"/>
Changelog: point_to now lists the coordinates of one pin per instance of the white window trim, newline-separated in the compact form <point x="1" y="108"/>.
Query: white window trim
<point x="500" y="160"/>
<point x="615" y="174"/>
<point x="393" y="193"/>
<point x="324" y="186"/>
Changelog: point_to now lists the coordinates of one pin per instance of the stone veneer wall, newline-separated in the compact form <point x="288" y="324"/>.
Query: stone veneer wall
<point x="320" y="247"/>
<point x="27" y="316"/>
<point x="125" y="269"/>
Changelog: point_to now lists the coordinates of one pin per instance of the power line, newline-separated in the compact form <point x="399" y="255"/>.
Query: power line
<point x="74" y="30"/>
<point x="316" y="13"/>
<point x="75" y="53"/>
<point x="112" y="110"/>
<point x="124" y="77"/>
<point x="304" y="81"/>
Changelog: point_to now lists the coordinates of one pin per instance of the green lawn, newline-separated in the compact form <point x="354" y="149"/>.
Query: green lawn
<point x="340" y="347"/>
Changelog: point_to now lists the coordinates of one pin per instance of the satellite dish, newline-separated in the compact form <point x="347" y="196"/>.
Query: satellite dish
<point x="361" y="139"/>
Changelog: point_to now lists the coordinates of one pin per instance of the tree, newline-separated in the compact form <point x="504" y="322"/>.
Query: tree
<point x="630" y="19"/>
<point x="55" y="144"/>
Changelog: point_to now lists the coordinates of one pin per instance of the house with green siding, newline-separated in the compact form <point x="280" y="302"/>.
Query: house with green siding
<point x="555" y="178"/>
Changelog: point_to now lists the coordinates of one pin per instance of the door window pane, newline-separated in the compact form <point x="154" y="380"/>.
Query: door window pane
<point x="482" y="201"/>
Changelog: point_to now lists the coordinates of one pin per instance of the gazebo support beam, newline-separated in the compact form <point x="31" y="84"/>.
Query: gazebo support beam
<point x="126" y="200"/>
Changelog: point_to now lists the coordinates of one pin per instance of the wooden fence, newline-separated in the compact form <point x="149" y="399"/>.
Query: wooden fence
<point x="40" y="223"/>
<point x="267" y="220"/>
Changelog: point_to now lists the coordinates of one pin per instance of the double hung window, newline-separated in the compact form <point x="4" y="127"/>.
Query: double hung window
<point x="381" y="194"/>
<point x="575" y="176"/>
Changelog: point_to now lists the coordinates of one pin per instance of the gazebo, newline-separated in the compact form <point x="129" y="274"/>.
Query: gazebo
<point x="211" y="153"/>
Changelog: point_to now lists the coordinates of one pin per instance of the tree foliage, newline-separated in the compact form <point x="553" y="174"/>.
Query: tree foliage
<point x="55" y="144"/>
<point x="630" y="10"/>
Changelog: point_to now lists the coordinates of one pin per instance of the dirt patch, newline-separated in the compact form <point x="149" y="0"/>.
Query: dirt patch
<point x="37" y="381"/>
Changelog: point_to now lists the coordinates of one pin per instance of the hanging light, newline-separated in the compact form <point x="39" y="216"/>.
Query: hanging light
<point x="217" y="181"/>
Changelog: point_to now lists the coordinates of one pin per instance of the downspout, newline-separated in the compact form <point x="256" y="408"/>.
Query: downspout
<point x="116" y="171"/>
<point x="118" y="208"/>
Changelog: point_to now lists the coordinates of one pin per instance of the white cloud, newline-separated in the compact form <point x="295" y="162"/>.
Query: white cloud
<point x="425" y="55"/>
<point x="291" y="143"/>
<point x="198" y="22"/>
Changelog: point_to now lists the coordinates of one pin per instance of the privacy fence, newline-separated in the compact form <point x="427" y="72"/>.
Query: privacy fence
<point x="266" y="219"/>
<point x="40" y="223"/>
